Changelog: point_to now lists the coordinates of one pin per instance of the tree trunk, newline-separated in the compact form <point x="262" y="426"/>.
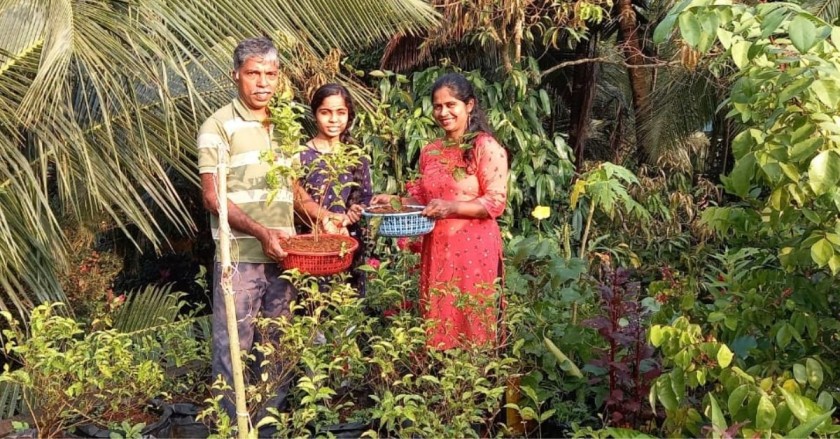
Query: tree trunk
<point x="580" y="101"/>
<point x="631" y="47"/>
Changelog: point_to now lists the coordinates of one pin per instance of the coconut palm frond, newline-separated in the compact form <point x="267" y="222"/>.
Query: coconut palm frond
<point x="148" y="308"/>
<point x="828" y="10"/>
<point x="11" y="400"/>
<point x="686" y="102"/>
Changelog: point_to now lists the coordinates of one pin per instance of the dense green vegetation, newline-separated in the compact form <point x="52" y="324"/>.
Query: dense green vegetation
<point x="676" y="276"/>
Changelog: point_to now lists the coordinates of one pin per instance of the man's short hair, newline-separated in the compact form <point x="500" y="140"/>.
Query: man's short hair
<point x="260" y="47"/>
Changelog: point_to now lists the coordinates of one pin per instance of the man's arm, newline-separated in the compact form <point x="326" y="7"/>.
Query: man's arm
<point x="239" y="220"/>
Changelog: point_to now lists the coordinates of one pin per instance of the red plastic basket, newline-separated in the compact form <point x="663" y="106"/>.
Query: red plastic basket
<point x="321" y="263"/>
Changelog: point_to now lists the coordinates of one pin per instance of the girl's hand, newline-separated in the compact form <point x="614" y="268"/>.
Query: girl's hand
<point x="439" y="209"/>
<point x="334" y="224"/>
<point x="354" y="214"/>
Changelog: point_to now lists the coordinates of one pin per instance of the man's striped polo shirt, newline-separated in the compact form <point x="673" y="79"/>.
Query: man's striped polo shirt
<point x="241" y="137"/>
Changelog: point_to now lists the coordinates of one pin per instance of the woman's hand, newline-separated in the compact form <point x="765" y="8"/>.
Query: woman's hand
<point x="440" y="209"/>
<point x="383" y="199"/>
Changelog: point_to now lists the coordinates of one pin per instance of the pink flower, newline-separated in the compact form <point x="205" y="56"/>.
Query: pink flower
<point x="402" y="243"/>
<point x="373" y="262"/>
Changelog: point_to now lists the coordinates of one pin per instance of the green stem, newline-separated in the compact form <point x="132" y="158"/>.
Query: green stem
<point x="586" y="230"/>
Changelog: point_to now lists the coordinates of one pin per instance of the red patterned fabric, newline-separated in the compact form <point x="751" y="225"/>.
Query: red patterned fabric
<point x="461" y="256"/>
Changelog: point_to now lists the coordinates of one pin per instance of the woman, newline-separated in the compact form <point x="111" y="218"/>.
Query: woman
<point x="333" y="110"/>
<point x="463" y="184"/>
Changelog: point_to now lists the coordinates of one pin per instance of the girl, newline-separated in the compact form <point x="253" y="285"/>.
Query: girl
<point x="333" y="110"/>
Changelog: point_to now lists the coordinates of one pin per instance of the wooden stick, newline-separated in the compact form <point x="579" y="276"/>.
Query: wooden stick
<point x="242" y="420"/>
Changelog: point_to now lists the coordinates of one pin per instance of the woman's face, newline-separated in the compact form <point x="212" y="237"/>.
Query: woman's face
<point x="331" y="117"/>
<point x="451" y="113"/>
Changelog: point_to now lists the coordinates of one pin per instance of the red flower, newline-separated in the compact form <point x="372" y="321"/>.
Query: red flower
<point x="389" y="312"/>
<point x="416" y="246"/>
<point x="402" y="243"/>
<point x="373" y="262"/>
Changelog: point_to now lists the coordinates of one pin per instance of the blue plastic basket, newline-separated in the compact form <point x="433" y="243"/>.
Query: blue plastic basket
<point x="403" y="224"/>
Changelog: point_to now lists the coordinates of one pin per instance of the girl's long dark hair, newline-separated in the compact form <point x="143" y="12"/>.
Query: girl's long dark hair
<point x="333" y="89"/>
<point x="462" y="90"/>
<point x="318" y="97"/>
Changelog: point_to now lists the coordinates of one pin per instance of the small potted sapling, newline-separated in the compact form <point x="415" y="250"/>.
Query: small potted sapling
<point x="321" y="252"/>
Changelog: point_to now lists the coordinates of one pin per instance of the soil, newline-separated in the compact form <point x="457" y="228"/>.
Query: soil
<point x="390" y="209"/>
<point x="324" y="244"/>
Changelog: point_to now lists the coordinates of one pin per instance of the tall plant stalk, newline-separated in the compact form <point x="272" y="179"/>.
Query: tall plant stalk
<point x="230" y="305"/>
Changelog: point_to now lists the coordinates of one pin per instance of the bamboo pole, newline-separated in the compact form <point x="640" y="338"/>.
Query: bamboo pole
<point x="242" y="420"/>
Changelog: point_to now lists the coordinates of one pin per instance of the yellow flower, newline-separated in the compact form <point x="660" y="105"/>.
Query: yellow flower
<point x="541" y="212"/>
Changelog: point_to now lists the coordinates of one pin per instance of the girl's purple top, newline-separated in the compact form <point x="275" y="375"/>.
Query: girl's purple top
<point x="313" y="182"/>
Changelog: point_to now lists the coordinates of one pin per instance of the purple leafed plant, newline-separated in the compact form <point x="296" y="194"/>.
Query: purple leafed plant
<point x="626" y="364"/>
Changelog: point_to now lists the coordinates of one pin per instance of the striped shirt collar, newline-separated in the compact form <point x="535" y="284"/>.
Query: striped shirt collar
<point x="244" y="112"/>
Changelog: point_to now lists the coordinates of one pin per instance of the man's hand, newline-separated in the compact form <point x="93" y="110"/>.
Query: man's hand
<point x="271" y="244"/>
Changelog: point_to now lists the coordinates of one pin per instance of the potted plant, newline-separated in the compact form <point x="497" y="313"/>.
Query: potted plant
<point x="318" y="253"/>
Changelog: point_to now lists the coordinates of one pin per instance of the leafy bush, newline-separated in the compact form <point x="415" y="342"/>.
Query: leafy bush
<point x="69" y="376"/>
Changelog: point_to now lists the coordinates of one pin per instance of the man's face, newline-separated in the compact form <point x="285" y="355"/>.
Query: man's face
<point x="256" y="82"/>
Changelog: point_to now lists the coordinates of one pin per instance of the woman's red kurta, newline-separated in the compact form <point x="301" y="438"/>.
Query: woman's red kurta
<point x="461" y="257"/>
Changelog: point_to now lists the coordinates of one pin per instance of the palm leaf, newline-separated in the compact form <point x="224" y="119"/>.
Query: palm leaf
<point x="148" y="308"/>
<point x="11" y="400"/>
<point x="828" y="10"/>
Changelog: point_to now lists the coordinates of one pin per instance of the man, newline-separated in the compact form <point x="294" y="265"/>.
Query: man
<point x="240" y="130"/>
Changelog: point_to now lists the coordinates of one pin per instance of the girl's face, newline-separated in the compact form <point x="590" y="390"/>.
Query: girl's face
<point x="331" y="117"/>
<point x="451" y="113"/>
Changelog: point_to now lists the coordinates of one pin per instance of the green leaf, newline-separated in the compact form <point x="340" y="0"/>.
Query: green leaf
<point x="805" y="149"/>
<point x="664" y="29"/>
<point x="656" y="335"/>
<point x="806" y="428"/>
<point x="794" y="89"/>
<point x="815" y="372"/>
<point x="766" y="414"/>
<point x="736" y="399"/>
<point x="827" y="91"/>
<point x="824" y="172"/>
<point x="801" y="407"/>
<point x="741" y="176"/>
<point x="821" y="252"/>
<point x="800" y="374"/>
<point x="665" y="394"/>
<point x="772" y="21"/>
<point x="724" y="356"/>
<point x="740" y="53"/>
<point x="562" y="360"/>
<point x="802" y="33"/>
<point x="690" y="28"/>
<point x="717" y="416"/>
<point x="783" y="336"/>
